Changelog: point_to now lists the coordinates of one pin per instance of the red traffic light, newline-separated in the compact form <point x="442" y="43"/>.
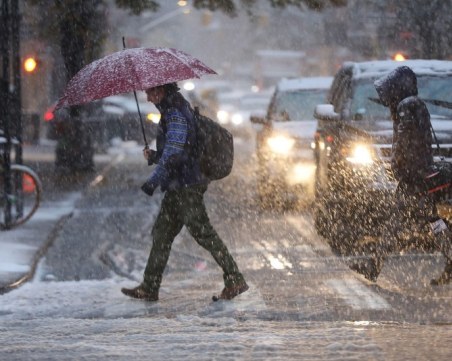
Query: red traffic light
<point x="399" y="56"/>
<point x="30" y="64"/>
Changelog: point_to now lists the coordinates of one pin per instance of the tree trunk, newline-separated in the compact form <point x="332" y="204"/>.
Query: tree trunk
<point x="74" y="149"/>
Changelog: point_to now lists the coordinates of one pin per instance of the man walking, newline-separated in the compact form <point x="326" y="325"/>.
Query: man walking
<point x="415" y="220"/>
<point x="178" y="174"/>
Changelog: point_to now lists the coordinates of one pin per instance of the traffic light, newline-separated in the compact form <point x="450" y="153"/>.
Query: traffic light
<point x="30" y="64"/>
<point x="399" y="56"/>
<point x="206" y="18"/>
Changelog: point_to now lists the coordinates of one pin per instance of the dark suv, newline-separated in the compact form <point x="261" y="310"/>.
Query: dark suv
<point x="353" y="182"/>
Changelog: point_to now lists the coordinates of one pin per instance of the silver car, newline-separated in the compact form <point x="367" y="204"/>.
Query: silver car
<point x="284" y="144"/>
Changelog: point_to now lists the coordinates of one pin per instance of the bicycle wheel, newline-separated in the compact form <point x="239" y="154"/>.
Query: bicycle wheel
<point x="24" y="196"/>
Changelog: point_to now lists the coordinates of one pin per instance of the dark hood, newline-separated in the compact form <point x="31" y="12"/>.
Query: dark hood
<point x="399" y="84"/>
<point x="176" y="100"/>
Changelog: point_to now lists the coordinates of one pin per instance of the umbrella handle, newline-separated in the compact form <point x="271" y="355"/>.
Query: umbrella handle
<point x="146" y="146"/>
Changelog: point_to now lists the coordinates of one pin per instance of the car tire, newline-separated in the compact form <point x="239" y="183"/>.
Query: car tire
<point x="334" y="221"/>
<point x="265" y="196"/>
<point x="321" y="223"/>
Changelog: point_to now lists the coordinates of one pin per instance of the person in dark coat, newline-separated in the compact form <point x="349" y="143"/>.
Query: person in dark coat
<point x="415" y="214"/>
<point x="178" y="174"/>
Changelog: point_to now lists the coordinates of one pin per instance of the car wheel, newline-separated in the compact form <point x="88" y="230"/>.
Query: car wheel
<point x="265" y="195"/>
<point x="335" y="221"/>
<point x="321" y="223"/>
<point x="265" y="191"/>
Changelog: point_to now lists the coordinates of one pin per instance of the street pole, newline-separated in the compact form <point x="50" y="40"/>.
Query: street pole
<point x="5" y="106"/>
<point x="16" y="100"/>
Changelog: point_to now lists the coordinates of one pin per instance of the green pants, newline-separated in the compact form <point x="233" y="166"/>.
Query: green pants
<point x="186" y="207"/>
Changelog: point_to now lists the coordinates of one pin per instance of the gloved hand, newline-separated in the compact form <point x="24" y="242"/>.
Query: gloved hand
<point x="150" y="155"/>
<point x="148" y="188"/>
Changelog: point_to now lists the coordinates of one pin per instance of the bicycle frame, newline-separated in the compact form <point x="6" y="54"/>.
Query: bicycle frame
<point x="18" y="183"/>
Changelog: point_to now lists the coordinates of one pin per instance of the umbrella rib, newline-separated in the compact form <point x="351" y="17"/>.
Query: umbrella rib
<point x="130" y="63"/>
<point x="182" y="61"/>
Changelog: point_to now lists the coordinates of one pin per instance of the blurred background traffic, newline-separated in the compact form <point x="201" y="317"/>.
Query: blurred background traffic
<point x="252" y="45"/>
<point x="251" y="51"/>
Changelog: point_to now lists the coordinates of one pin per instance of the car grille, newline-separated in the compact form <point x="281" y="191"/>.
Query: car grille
<point x="301" y="143"/>
<point x="386" y="149"/>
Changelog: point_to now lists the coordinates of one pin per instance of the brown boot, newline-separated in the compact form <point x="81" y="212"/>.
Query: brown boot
<point x="229" y="293"/>
<point x="370" y="268"/>
<point x="445" y="277"/>
<point x="141" y="293"/>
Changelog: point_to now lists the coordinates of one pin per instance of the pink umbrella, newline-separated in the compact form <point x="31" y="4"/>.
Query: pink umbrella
<point x="129" y="70"/>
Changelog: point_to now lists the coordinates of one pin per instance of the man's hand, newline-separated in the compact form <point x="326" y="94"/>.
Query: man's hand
<point x="147" y="153"/>
<point x="150" y="155"/>
<point x="148" y="188"/>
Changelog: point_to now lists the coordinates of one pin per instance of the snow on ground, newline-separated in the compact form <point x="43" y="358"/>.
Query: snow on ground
<point x="19" y="245"/>
<point x="92" y="320"/>
<point x="14" y="257"/>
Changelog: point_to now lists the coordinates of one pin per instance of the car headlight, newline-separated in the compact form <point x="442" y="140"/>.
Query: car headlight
<point x="189" y="86"/>
<point x="237" y="119"/>
<point x="280" y="144"/>
<point x="153" y="117"/>
<point x="222" y="116"/>
<point x="360" y="154"/>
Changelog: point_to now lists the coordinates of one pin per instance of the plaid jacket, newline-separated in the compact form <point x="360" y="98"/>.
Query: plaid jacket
<point x="176" y="165"/>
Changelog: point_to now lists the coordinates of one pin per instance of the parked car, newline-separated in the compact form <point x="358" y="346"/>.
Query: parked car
<point x="285" y="157"/>
<point x="204" y="93"/>
<point x="128" y="126"/>
<point x="235" y="109"/>
<point x="354" y="183"/>
<point x="107" y="118"/>
<point x="228" y="103"/>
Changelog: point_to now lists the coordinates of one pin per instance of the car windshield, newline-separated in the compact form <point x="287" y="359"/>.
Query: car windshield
<point x="298" y="105"/>
<point x="254" y="103"/>
<point x="434" y="90"/>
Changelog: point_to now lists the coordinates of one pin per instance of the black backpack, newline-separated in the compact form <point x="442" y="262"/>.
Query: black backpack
<point x="214" y="147"/>
<point x="438" y="177"/>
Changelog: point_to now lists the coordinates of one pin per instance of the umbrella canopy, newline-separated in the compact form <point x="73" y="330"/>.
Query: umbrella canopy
<point x="129" y="70"/>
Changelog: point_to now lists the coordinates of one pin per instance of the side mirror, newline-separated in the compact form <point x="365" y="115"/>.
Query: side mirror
<point x="256" y="119"/>
<point x="325" y="112"/>
<point x="359" y="115"/>
<point x="283" y="116"/>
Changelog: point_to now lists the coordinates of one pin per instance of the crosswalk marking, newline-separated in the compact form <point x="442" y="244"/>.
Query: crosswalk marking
<point x="306" y="230"/>
<point x="356" y="295"/>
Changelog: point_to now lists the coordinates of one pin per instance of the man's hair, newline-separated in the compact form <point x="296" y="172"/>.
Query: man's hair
<point x="171" y="88"/>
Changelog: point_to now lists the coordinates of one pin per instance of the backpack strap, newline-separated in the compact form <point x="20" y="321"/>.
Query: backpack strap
<point x="436" y="141"/>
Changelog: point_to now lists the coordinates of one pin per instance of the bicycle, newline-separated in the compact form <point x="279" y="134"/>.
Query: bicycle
<point x="20" y="196"/>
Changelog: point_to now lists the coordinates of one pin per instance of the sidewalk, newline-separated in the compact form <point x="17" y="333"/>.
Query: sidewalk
<point x="21" y="248"/>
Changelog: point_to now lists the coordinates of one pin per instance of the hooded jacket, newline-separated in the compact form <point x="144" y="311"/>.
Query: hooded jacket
<point x="177" y="164"/>
<point x="412" y="139"/>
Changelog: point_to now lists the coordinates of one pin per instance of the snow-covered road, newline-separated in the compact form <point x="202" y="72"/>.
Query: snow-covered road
<point x="304" y="303"/>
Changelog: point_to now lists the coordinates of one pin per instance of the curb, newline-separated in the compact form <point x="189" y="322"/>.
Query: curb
<point x="41" y="251"/>
<point x="38" y="255"/>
